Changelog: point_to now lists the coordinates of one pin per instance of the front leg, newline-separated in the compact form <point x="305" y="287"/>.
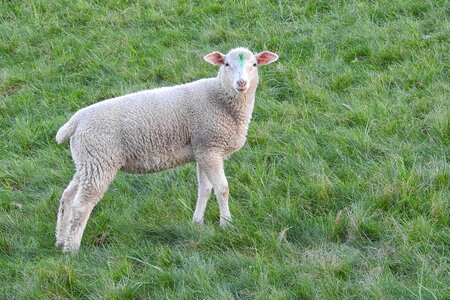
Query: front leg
<point x="212" y="165"/>
<point x="204" y="192"/>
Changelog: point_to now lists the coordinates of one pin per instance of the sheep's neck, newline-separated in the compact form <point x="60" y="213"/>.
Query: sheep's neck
<point x="242" y="105"/>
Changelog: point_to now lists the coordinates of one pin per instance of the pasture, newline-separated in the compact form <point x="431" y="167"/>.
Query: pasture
<point x="341" y="191"/>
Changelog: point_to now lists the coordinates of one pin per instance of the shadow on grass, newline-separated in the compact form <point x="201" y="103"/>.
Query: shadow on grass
<point x="171" y="234"/>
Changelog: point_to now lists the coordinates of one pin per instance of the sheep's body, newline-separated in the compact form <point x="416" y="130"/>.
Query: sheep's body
<point x="151" y="131"/>
<point x="158" y="129"/>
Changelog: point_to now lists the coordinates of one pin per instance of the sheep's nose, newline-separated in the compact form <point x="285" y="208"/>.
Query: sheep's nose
<point x="241" y="83"/>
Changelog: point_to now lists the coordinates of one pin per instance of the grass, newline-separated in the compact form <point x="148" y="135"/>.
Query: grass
<point x="342" y="190"/>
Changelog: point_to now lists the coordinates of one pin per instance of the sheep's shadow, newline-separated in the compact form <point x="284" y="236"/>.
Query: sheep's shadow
<point x="171" y="234"/>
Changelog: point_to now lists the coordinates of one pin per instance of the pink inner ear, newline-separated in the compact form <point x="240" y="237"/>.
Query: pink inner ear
<point x="266" y="57"/>
<point x="215" y="58"/>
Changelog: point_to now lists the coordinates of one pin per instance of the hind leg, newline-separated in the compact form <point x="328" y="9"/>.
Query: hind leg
<point x="63" y="212"/>
<point x="90" y="190"/>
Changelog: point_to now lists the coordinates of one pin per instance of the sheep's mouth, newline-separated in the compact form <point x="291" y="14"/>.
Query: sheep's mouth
<point x="241" y="89"/>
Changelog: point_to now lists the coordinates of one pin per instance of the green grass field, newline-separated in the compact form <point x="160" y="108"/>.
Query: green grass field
<point x="341" y="192"/>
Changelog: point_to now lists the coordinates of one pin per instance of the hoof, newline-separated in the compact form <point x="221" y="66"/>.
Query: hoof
<point x="199" y="222"/>
<point x="59" y="244"/>
<point x="225" y="222"/>
<point x="70" y="250"/>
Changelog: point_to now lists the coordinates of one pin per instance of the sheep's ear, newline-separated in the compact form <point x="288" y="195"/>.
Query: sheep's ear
<point x="215" y="58"/>
<point x="265" y="57"/>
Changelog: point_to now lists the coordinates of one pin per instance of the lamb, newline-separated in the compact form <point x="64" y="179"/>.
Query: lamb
<point x="153" y="130"/>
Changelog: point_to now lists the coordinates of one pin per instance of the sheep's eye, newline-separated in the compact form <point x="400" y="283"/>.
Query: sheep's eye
<point x="254" y="64"/>
<point x="227" y="65"/>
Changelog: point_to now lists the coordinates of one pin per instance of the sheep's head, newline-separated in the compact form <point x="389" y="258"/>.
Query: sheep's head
<point x="239" y="67"/>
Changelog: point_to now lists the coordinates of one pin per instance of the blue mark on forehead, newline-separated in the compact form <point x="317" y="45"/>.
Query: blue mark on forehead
<point x="241" y="59"/>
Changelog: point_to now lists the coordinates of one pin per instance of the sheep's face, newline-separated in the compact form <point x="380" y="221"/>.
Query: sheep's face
<point x="239" y="67"/>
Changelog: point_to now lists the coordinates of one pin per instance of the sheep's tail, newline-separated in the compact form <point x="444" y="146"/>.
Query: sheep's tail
<point x="67" y="130"/>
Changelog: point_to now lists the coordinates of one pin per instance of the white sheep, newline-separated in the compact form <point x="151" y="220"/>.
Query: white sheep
<point x="154" y="130"/>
